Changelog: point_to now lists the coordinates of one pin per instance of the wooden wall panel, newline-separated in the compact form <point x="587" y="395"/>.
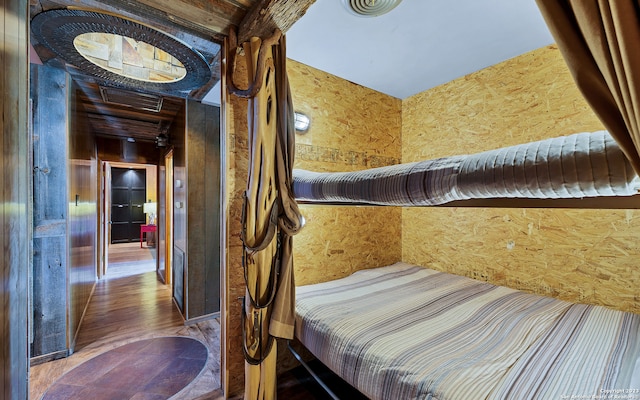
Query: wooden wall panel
<point x="49" y="88"/>
<point x="203" y="219"/>
<point x="65" y="213"/>
<point x="118" y="150"/>
<point x="14" y="211"/>
<point x="177" y="134"/>
<point x="579" y="255"/>
<point x="195" y="222"/>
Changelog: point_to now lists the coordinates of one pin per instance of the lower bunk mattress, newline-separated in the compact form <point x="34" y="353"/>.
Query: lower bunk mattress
<point x="407" y="332"/>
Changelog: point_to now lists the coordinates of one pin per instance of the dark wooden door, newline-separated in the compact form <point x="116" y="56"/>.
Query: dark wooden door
<point x="128" y="194"/>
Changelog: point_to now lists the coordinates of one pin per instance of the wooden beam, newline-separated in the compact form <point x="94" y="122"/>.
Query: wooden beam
<point x="197" y="26"/>
<point x="268" y="15"/>
<point x="15" y="214"/>
<point x="199" y="94"/>
<point x="213" y="17"/>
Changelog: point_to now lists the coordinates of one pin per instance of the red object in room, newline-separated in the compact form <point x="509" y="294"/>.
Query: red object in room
<point x="146" y="228"/>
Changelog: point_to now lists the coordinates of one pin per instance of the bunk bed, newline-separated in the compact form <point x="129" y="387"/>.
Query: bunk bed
<point x="408" y="332"/>
<point x="588" y="164"/>
<point x="461" y="338"/>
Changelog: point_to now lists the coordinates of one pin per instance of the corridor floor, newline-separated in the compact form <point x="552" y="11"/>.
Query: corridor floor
<point x="128" y="305"/>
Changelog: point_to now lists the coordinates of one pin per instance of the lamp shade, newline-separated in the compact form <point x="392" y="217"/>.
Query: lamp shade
<point x="149" y="208"/>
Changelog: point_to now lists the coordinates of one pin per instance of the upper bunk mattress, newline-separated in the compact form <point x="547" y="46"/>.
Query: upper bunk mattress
<point x="575" y="166"/>
<point x="407" y="332"/>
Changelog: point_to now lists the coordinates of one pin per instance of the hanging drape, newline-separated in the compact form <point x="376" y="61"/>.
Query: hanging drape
<point x="270" y="215"/>
<point x="599" y="41"/>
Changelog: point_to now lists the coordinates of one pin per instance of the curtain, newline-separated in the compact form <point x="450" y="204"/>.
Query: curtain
<point x="599" y="41"/>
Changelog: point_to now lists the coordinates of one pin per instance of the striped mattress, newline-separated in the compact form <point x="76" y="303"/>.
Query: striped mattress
<point x="589" y="164"/>
<point x="408" y="332"/>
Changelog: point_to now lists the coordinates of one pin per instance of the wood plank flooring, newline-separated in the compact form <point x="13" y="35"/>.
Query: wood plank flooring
<point x="131" y="304"/>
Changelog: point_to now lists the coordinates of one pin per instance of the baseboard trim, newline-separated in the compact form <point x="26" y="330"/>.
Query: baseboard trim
<point x="48" y="357"/>
<point x="74" y="339"/>
<point x="193" y="321"/>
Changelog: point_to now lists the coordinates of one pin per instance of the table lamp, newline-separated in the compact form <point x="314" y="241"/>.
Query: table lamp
<point x="150" y="209"/>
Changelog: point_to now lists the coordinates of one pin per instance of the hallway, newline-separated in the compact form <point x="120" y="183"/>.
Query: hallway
<point x="128" y="305"/>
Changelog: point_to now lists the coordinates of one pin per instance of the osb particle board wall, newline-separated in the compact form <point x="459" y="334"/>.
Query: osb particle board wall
<point x="586" y="256"/>
<point x="352" y="128"/>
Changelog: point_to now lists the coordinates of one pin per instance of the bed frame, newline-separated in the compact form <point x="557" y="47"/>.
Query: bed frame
<point x="480" y="340"/>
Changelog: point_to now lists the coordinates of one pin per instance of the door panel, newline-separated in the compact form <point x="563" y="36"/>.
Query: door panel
<point x="119" y="196"/>
<point x="128" y="194"/>
<point x="137" y="201"/>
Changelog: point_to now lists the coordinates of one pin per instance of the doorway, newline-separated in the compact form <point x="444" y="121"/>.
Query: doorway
<point x="128" y="194"/>
<point x="128" y="189"/>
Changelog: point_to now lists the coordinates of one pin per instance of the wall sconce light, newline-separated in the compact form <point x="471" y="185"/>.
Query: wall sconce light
<point x="302" y="122"/>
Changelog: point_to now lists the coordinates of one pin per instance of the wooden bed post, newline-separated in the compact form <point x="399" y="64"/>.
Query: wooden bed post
<point x="262" y="270"/>
<point x="269" y="217"/>
<point x="260" y="240"/>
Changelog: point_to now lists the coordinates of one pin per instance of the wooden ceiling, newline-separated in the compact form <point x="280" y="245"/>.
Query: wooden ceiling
<point x="201" y="24"/>
<point x="131" y="116"/>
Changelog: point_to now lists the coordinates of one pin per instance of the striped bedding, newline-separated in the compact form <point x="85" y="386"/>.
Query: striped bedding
<point x="408" y="332"/>
<point x="575" y="166"/>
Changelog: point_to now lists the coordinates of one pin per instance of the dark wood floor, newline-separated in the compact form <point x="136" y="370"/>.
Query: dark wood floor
<point x="151" y="369"/>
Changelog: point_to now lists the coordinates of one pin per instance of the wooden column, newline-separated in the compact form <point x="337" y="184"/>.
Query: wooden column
<point x="14" y="180"/>
<point x="261" y="249"/>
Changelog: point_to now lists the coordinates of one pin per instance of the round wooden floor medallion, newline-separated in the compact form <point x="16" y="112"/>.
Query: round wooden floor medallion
<point x="149" y="369"/>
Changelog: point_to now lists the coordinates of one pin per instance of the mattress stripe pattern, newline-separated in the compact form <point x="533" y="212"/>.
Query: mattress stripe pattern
<point x="407" y="332"/>
<point x="574" y="166"/>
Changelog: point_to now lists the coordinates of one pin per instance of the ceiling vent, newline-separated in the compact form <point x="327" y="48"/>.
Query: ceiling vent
<point x="370" y="8"/>
<point x="140" y="101"/>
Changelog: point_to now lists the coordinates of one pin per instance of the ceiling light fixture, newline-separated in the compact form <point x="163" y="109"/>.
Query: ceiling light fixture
<point x="162" y="140"/>
<point x="370" y="8"/>
<point x="302" y="122"/>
